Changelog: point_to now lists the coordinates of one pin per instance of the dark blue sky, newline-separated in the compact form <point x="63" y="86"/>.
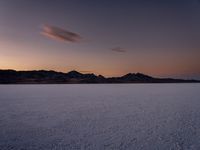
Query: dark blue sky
<point x="109" y="37"/>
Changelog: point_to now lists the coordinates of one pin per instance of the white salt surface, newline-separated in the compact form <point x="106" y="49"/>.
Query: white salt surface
<point x="100" y="117"/>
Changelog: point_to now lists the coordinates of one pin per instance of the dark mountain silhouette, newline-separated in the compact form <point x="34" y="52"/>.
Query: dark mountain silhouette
<point x="53" y="77"/>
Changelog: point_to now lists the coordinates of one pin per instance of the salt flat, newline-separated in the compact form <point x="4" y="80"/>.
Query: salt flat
<point x="100" y="116"/>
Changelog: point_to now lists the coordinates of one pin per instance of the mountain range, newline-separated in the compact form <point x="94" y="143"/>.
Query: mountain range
<point x="75" y="77"/>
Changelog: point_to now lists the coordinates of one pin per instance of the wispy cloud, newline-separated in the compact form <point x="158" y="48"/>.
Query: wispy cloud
<point x="118" y="49"/>
<point x="57" y="33"/>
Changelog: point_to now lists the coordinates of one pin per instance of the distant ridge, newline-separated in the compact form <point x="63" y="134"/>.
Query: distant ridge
<point x="75" y="77"/>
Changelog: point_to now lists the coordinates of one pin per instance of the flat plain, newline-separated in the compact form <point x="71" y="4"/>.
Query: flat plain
<point x="100" y="116"/>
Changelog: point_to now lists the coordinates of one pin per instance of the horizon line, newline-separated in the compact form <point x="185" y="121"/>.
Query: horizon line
<point x="97" y="74"/>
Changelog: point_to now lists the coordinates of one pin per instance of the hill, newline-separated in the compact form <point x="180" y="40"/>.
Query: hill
<point x="72" y="77"/>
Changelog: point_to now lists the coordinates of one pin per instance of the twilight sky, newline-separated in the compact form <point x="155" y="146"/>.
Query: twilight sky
<point x="108" y="37"/>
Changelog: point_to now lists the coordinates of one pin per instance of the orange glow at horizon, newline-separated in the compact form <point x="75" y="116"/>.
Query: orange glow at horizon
<point x="20" y="57"/>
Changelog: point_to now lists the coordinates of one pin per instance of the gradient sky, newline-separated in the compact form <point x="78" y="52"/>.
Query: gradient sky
<point x="108" y="37"/>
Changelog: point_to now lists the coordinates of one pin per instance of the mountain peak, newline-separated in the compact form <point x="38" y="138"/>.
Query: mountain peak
<point x="136" y="77"/>
<point x="74" y="74"/>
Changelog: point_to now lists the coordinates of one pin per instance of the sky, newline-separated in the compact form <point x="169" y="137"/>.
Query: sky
<point x="109" y="37"/>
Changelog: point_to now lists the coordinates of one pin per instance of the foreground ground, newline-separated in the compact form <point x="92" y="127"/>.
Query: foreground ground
<point x="103" y="116"/>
